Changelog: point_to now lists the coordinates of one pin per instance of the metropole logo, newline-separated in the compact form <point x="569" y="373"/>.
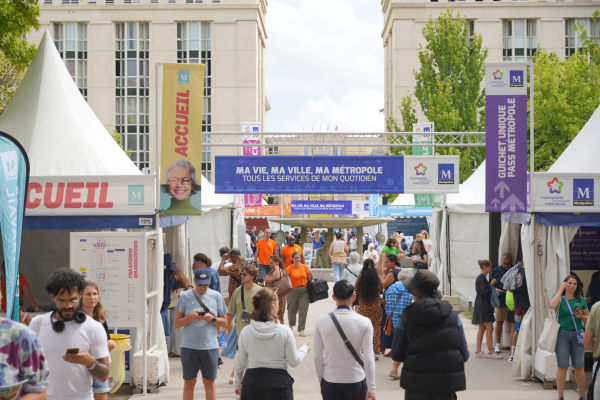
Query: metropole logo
<point x="555" y="186"/>
<point x="421" y="169"/>
<point x="498" y="75"/>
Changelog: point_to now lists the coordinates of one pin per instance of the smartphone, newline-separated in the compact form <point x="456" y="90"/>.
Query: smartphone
<point x="72" y="350"/>
<point x="577" y="308"/>
<point x="202" y="313"/>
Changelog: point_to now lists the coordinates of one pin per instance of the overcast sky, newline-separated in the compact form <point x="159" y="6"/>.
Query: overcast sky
<point x="324" y="65"/>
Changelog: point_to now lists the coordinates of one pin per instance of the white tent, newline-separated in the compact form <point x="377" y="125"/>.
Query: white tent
<point x="63" y="138"/>
<point x="460" y="236"/>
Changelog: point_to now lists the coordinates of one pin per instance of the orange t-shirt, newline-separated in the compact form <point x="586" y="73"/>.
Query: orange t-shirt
<point x="299" y="275"/>
<point x="22" y="282"/>
<point x="286" y="253"/>
<point x="266" y="247"/>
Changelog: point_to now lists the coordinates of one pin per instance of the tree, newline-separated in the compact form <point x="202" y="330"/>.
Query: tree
<point x="117" y="137"/>
<point x="18" y="17"/>
<point x="10" y="78"/>
<point x="566" y="94"/>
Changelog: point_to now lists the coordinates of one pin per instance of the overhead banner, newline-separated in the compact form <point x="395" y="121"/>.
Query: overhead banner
<point x="336" y="174"/>
<point x="565" y="192"/>
<point x="14" y="175"/>
<point x="91" y="195"/>
<point x="321" y="197"/>
<point x="181" y="139"/>
<point x="405" y="211"/>
<point x="251" y="131"/>
<point x="506" y="136"/>
<point x="263" y="211"/>
<point x="321" y="207"/>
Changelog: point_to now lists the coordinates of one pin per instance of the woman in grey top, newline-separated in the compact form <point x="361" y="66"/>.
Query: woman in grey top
<point x="352" y="270"/>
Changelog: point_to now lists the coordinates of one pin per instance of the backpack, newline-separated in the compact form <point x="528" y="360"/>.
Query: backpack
<point x="368" y="241"/>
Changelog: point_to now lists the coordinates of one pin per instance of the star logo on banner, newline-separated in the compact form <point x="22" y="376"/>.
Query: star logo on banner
<point x="555" y="185"/>
<point x="421" y="169"/>
<point x="498" y="75"/>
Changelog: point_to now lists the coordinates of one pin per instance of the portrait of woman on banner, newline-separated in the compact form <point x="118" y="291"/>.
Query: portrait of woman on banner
<point x="180" y="194"/>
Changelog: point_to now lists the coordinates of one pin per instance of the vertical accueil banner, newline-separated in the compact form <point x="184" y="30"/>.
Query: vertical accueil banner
<point x="506" y="136"/>
<point x="181" y="139"/>
<point x="287" y="205"/>
<point x="251" y="132"/>
<point x="14" y="176"/>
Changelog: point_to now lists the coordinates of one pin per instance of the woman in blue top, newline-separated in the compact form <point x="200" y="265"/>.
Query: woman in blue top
<point x="391" y="269"/>
<point x="574" y="312"/>
<point x="317" y="241"/>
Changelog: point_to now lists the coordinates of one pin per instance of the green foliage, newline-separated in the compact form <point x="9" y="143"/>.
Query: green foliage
<point x="449" y="84"/>
<point x="589" y="46"/>
<point x="10" y="77"/>
<point x="468" y="314"/>
<point x="566" y="94"/>
<point x="117" y="137"/>
<point x="18" y="17"/>
<point x="408" y="113"/>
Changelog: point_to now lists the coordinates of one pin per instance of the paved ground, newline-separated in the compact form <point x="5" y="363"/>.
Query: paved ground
<point x="486" y="379"/>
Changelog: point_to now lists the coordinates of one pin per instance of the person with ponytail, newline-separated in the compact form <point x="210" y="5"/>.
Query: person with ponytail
<point x="265" y="349"/>
<point x="483" y="312"/>
<point x="368" y="288"/>
<point x="278" y="272"/>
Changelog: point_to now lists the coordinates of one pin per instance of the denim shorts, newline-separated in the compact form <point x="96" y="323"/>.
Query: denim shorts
<point x="100" y="387"/>
<point x="205" y="361"/>
<point x="567" y="346"/>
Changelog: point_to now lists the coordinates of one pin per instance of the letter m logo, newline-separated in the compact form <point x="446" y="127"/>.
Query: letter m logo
<point x="583" y="192"/>
<point x="10" y="164"/>
<point x="136" y="195"/>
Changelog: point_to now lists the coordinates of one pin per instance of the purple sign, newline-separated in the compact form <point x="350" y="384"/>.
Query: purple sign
<point x="321" y="207"/>
<point x="506" y="137"/>
<point x="584" y="250"/>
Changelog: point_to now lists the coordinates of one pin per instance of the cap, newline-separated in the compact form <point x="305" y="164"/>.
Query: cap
<point x="423" y="284"/>
<point x="202" y="276"/>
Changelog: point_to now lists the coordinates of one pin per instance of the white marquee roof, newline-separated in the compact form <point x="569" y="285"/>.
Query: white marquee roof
<point x="58" y="129"/>
<point x="471" y="196"/>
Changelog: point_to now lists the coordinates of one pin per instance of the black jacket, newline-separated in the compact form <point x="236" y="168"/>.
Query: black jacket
<point x="434" y="363"/>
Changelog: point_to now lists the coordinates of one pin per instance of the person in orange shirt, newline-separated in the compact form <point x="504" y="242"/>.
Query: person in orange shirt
<point x="265" y="248"/>
<point x="288" y="251"/>
<point x="298" y="300"/>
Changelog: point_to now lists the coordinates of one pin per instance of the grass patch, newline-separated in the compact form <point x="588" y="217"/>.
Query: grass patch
<point x="468" y="314"/>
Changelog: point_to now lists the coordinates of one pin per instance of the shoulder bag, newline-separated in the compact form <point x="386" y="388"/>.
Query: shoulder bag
<point x="318" y="289"/>
<point x="548" y="337"/>
<point x="346" y="267"/>
<point x="388" y="321"/>
<point x="346" y="341"/>
<point x="283" y="285"/>
<point x="579" y="334"/>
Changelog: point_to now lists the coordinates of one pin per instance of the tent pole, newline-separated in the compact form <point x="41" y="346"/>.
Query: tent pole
<point x="448" y="251"/>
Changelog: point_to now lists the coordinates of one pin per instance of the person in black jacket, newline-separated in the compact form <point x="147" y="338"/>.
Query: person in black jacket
<point x="430" y="341"/>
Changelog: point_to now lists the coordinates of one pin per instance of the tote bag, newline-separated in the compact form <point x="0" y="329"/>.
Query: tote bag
<point x="550" y="333"/>
<point x="284" y="286"/>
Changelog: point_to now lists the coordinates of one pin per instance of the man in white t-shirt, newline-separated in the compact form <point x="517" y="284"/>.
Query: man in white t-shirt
<point x="69" y="329"/>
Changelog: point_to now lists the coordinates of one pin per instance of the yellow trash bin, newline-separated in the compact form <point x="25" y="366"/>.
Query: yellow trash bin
<point x="117" y="361"/>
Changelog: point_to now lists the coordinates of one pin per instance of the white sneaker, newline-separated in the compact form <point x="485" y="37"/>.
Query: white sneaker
<point x="494" y="355"/>
<point x="302" y="333"/>
<point x="497" y="349"/>
<point x="481" y="354"/>
<point x="510" y="359"/>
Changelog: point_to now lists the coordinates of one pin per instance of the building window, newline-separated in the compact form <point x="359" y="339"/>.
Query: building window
<point x="194" y="1"/>
<point x="193" y="47"/>
<point x="70" y="39"/>
<point x="336" y="151"/>
<point x="110" y="1"/>
<point x="471" y="30"/>
<point x="132" y="89"/>
<point x="519" y="41"/>
<point x="572" y="36"/>
<point x="273" y="151"/>
<point x="70" y="1"/>
<point x="131" y="1"/>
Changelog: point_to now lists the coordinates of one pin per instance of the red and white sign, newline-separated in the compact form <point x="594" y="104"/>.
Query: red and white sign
<point x="91" y="195"/>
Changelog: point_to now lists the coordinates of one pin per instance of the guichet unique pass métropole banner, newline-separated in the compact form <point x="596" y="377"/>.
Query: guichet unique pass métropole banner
<point x="506" y="136"/>
<point x="181" y="139"/>
<point x="336" y="174"/>
<point x="14" y="174"/>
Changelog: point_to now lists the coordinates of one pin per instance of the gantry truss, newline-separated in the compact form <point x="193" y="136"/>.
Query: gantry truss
<point x="341" y="139"/>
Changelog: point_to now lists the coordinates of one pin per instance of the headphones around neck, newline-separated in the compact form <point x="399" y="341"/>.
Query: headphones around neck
<point x="59" y="326"/>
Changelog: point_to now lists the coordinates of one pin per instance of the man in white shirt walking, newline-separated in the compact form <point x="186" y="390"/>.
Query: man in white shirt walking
<point x="343" y="372"/>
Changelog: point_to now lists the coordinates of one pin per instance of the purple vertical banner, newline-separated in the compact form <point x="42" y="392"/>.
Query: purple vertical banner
<point x="506" y="136"/>
<point x="252" y="200"/>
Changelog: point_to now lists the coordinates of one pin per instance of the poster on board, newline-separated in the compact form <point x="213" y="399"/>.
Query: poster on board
<point x="181" y="139"/>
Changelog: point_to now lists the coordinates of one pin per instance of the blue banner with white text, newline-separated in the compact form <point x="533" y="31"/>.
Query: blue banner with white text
<point x="405" y="211"/>
<point x="14" y="176"/>
<point x="321" y="207"/>
<point x="336" y="174"/>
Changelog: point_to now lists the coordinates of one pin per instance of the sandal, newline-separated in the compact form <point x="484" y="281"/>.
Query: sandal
<point x="376" y="358"/>
<point x="394" y="374"/>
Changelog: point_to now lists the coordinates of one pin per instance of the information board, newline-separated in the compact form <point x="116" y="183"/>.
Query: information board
<point x="116" y="262"/>
<point x="408" y="226"/>
<point x="584" y="249"/>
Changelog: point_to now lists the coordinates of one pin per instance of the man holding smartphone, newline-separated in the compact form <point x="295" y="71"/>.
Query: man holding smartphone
<point x="200" y="312"/>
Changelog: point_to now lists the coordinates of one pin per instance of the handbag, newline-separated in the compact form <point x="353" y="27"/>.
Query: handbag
<point x="283" y="285"/>
<point x="346" y="341"/>
<point x="495" y="298"/>
<point x="318" y="289"/>
<point x="388" y="321"/>
<point x="510" y="301"/>
<point x="550" y="333"/>
<point x="579" y="334"/>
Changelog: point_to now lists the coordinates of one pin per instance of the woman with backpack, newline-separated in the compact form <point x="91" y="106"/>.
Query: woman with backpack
<point x="572" y="311"/>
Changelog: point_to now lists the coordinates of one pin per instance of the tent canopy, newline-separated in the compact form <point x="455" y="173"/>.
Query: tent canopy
<point x="404" y="199"/>
<point x="471" y="198"/>
<point x="52" y="121"/>
<point x="212" y="200"/>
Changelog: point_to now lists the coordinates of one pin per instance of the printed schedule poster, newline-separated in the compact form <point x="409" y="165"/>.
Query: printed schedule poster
<point x="116" y="263"/>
